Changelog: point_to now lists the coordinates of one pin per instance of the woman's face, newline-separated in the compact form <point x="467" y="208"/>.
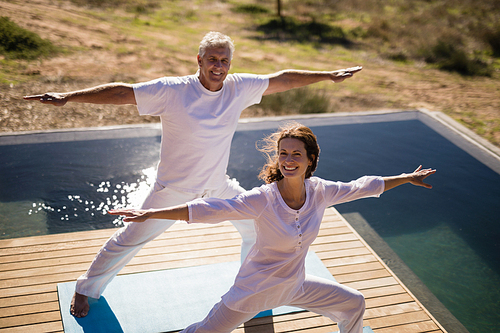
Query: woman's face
<point x="292" y="158"/>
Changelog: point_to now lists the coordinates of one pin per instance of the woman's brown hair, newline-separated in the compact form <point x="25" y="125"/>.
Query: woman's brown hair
<point x="269" y="146"/>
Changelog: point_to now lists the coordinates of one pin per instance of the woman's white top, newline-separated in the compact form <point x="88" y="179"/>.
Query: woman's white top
<point x="274" y="271"/>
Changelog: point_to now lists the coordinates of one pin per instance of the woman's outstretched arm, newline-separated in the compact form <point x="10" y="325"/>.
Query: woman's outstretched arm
<point x="416" y="178"/>
<point x="140" y="215"/>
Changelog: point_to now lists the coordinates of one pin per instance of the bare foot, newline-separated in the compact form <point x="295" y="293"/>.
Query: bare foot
<point x="79" y="305"/>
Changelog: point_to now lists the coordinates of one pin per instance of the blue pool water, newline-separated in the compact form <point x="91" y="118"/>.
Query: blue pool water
<point x="448" y="236"/>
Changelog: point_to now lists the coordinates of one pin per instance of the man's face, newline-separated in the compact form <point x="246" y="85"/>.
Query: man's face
<point x="214" y="66"/>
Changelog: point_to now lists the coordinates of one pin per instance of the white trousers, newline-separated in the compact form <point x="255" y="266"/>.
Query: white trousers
<point x="127" y="241"/>
<point x="341" y="304"/>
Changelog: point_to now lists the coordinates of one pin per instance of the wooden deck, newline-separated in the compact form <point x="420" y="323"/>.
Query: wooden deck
<point x="31" y="267"/>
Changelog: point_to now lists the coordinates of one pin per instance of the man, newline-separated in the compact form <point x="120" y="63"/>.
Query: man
<point x="199" y="114"/>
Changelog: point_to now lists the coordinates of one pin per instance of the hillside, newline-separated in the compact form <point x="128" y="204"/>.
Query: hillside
<point x="139" y="40"/>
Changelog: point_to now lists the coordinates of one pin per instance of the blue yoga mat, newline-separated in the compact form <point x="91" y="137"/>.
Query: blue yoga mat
<point x="162" y="301"/>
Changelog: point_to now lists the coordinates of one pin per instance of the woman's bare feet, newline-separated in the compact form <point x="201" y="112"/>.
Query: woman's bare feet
<point x="79" y="305"/>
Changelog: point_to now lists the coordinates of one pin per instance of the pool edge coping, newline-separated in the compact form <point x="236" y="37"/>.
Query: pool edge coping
<point x="437" y="116"/>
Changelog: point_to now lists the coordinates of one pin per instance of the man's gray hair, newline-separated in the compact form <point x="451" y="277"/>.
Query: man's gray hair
<point x="216" y="39"/>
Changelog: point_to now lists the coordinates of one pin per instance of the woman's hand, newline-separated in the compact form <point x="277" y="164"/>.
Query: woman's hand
<point x="132" y="215"/>
<point x="418" y="176"/>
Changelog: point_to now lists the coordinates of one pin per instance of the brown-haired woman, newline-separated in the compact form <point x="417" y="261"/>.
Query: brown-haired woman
<point x="287" y="211"/>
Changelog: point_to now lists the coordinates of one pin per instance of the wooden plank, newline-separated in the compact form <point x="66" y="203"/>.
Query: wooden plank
<point x="79" y="262"/>
<point x="37" y="318"/>
<point x="30" y="290"/>
<point x="335" y="246"/>
<point x="399" y="319"/>
<point x="303" y="323"/>
<point x="27" y="299"/>
<point x="335" y="238"/>
<point x="383" y="291"/>
<point x="53" y="327"/>
<point x="344" y="253"/>
<point x="29" y="309"/>
<point x="381" y="312"/>
<point x="179" y="246"/>
<point x="347" y="278"/>
<point x="105" y="234"/>
<point x="56" y="238"/>
<point x="420" y="327"/>
<point x="97" y="243"/>
<point x="360" y="285"/>
<point x="391" y="299"/>
<point x="349" y="260"/>
<point x="362" y="267"/>
<point x="91" y="249"/>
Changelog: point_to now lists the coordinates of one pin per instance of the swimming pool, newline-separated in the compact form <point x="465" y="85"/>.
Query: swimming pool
<point x="448" y="236"/>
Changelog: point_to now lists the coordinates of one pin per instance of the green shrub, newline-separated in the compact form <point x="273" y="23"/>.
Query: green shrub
<point x="398" y="55"/>
<point x="289" y="28"/>
<point x="302" y="100"/>
<point x="358" y="32"/>
<point x="380" y="28"/>
<point x="99" y="3"/>
<point x="143" y="7"/>
<point x="493" y="39"/>
<point x="135" y="6"/>
<point x="19" y="43"/>
<point x="250" y="9"/>
<point x="451" y="57"/>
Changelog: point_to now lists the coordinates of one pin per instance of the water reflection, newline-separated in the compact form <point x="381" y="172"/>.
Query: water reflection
<point x="85" y="206"/>
<point x="61" y="187"/>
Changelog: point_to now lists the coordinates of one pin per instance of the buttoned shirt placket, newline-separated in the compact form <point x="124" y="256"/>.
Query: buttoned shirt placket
<point x="299" y="231"/>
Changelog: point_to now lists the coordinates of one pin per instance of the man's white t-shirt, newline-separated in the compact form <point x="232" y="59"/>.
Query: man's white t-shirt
<point x="197" y="125"/>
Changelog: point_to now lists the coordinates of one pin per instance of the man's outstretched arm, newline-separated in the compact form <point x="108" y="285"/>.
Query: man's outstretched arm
<point x="289" y="79"/>
<point x="111" y="93"/>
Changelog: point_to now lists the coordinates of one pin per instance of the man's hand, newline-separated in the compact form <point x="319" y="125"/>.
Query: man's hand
<point x="49" y="98"/>
<point x="290" y="79"/>
<point x="342" y="74"/>
<point x="111" y="93"/>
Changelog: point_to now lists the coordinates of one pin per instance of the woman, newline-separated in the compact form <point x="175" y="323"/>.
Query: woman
<point x="287" y="211"/>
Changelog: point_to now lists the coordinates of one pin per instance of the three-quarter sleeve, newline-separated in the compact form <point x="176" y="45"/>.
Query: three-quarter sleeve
<point x="248" y="205"/>
<point x="364" y="187"/>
